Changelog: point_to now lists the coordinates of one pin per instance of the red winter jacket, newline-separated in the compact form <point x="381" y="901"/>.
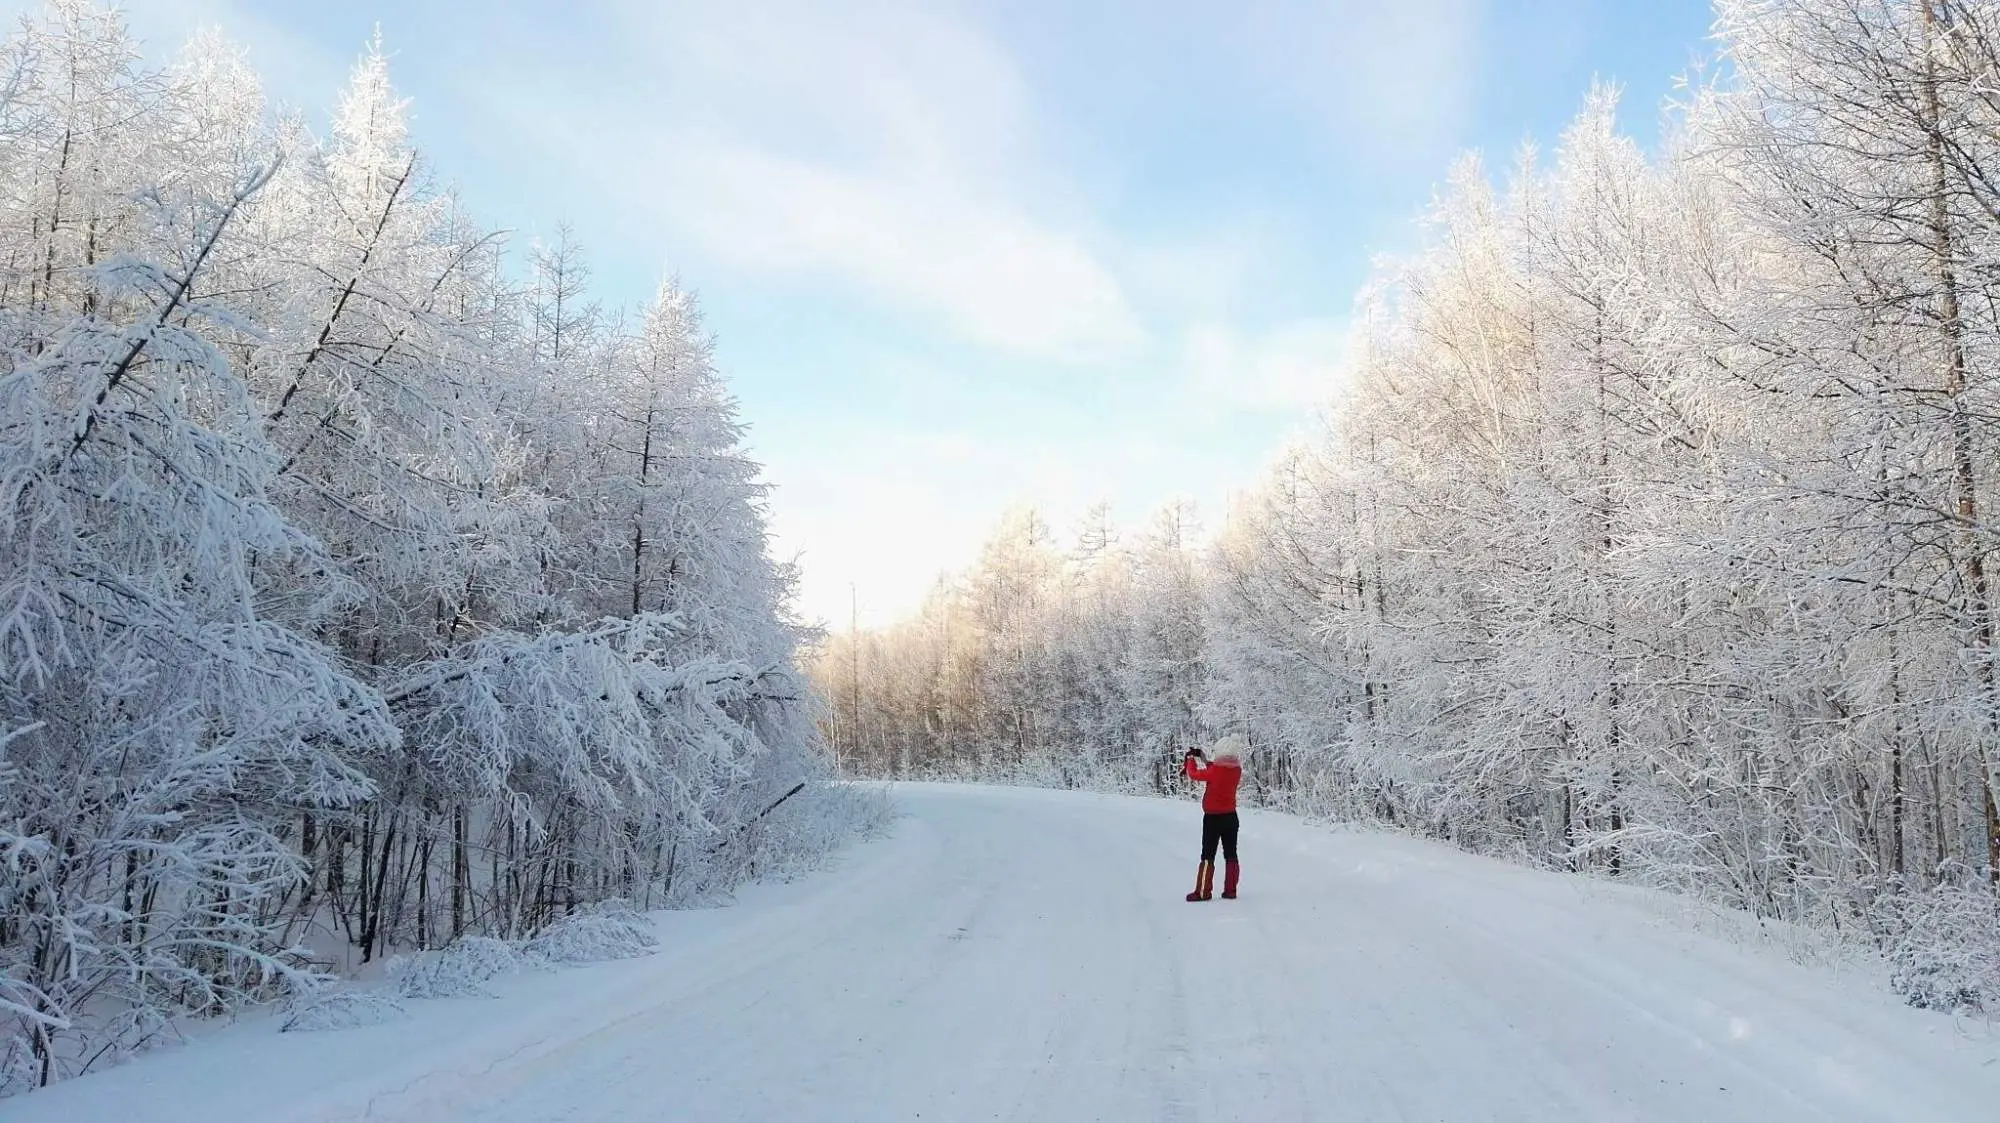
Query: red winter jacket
<point x="1221" y="776"/>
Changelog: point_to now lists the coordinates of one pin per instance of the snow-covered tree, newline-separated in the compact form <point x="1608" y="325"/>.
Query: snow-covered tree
<point x="353" y="596"/>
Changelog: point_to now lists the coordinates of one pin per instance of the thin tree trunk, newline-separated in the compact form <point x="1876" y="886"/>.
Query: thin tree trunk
<point x="1964" y="478"/>
<point x="461" y="870"/>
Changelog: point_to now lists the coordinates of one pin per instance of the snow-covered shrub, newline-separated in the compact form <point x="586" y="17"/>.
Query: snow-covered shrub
<point x="798" y="835"/>
<point x="458" y="969"/>
<point x="340" y="1008"/>
<point x="605" y="930"/>
<point x="1944" y="948"/>
<point x="18" y="1071"/>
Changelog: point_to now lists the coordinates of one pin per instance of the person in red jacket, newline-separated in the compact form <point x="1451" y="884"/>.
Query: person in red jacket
<point x="1221" y="773"/>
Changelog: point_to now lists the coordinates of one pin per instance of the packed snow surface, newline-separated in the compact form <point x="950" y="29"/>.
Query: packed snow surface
<point x="1026" y="955"/>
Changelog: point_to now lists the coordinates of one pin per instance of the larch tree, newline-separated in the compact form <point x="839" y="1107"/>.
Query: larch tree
<point x="355" y="596"/>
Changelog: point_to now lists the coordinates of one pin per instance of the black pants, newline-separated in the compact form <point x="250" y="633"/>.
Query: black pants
<point x="1216" y="828"/>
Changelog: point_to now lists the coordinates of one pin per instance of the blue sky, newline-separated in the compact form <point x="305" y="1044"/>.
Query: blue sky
<point x="960" y="256"/>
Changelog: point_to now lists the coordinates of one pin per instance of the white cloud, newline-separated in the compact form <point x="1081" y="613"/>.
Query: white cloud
<point x="1210" y="272"/>
<point x="983" y="266"/>
<point x="1391" y="81"/>
<point x="897" y="148"/>
<point x="888" y="146"/>
<point x="1294" y="366"/>
<point x="870" y="81"/>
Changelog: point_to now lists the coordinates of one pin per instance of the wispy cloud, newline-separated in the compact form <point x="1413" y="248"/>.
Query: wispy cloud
<point x="1388" y="81"/>
<point x="904" y="151"/>
<point x="984" y="267"/>
<point x="1295" y="365"/>
<point x="804" y="141"/>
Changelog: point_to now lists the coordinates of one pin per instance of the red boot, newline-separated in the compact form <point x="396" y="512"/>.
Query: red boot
<point x="1204" y="881"/>
<point x="1229" y="871"/>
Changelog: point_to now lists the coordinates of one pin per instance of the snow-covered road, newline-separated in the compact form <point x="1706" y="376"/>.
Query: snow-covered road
<point x="1024" y="955"/>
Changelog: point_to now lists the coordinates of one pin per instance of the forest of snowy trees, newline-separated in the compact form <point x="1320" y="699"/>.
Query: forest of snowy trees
<point x="1651" y="530"/>
<point x="362" y="585"/>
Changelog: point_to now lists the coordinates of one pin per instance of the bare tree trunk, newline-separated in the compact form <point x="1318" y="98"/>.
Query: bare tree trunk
<point x="461" y="870"/>
<point x="1897" y="796"/>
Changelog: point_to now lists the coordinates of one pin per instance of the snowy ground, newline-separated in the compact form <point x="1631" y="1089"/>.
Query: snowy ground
<point x="1026" y="955"/>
